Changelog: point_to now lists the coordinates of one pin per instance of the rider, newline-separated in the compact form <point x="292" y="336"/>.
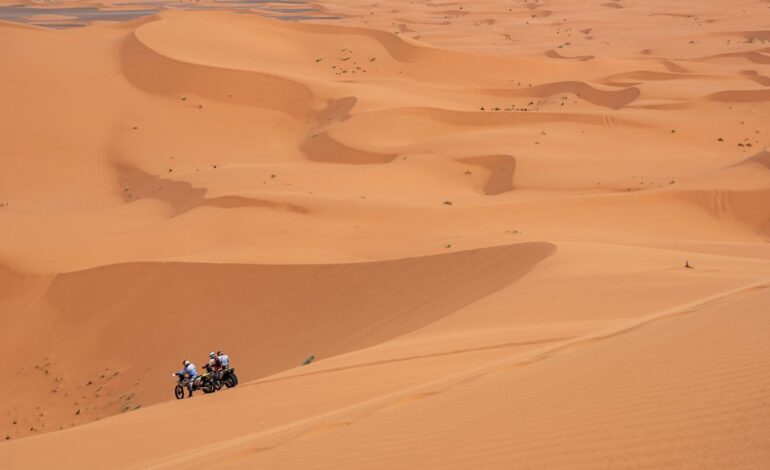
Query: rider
<point x="224" y="359"/>
<point x="190" y="372"/>
<point x="215" y="364"/>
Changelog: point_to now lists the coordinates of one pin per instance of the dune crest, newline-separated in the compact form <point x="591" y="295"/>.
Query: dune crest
<point x="501" y="168"/>
<point x="609" y="99"/>
<point x="156" y="73"/>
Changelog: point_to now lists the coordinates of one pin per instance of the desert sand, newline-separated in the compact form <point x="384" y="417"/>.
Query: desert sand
<point x="476" y="216"/>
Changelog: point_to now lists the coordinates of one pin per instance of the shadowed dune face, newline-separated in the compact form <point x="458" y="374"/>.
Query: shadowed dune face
<point x="736" y="205"/>
<point x="156" y="73"/>
<point x="555" y="55"/>
<point x="615" y="99"/>
<point x="740" y="96"/>
<point x="501" y="169"/>
<point x="182" y="196"/>
<point x="291" y="304"/>
<point x="323" y="148"/>
<point x="336" y="111"/>
<point x="763" y="158"/>
<point x="757" y="57"/>
<point x="153" y="315"/>
<point x="754" y="76"/>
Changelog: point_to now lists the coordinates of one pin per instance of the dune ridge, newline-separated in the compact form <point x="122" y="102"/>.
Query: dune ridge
<point x="609" y="99"/>
<point x="148" y="69"/>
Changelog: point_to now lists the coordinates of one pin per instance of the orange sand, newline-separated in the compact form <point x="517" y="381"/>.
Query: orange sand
<point x="476" y="217"/>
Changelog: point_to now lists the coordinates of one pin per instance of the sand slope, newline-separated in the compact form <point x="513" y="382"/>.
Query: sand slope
<point x="476" y="217"/>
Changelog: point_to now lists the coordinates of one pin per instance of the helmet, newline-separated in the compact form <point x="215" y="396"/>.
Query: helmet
<point x="187" y="363"/>
<point x="212" y="355"/>
<point x="219" y="353"/>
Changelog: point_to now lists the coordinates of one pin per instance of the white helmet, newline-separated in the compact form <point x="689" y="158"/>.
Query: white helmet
<point x="212" y="355"/>
<point x="186" y="363"/>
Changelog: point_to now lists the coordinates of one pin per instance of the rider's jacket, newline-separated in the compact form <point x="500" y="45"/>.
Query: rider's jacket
<point x="215" y="363"/>
<point x="224" y="360"/>
<point x="190" y="370"/>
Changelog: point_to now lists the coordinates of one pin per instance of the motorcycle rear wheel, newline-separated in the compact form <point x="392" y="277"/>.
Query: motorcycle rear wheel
<point x="231" y="380"/>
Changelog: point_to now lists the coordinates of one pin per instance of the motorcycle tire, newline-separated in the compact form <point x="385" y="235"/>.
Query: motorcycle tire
<point x="179" y="392"/>
<point x="209" y="387"/>
<point x="231" y="380"/>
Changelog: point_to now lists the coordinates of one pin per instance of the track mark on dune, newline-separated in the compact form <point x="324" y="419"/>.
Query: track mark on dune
<point x="501" y="168"/>
<point x="244" y="454"/>
<point x="183" y="196"/>
<point x="686" y="309"/>
<point x="735" y="205"/>
<point x="410" y="399"/>
<point x="413" y="358"/>
<point x="357" y="411"/>
<point x="292" y="431"/>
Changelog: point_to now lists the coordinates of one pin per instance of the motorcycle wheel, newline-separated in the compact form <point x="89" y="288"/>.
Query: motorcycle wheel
<point x="218" y="385"/>
<point x="179" y="392"/>
<point x="231" y="380"/>
<point x="209" y="387"/>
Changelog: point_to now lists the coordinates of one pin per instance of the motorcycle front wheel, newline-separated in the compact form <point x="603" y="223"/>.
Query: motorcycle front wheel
<point x="179" y="391"/>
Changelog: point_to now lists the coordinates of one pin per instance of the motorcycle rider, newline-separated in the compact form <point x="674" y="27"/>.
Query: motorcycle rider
<point x="224" y="359"/>
<point x="190" y="372"/>
<point x="215" y="365"/>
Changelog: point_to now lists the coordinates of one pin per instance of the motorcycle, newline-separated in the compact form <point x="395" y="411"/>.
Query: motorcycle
<point x="203" y="382"/>
<point x="228" y="377"/>
<point x="224" y="377"/>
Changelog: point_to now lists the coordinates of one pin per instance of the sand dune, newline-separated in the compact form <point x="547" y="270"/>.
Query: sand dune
<point x="501" y="169"/>
<point x="283" y="314"/>
<point x="151" y="71"/>
<point x="605" y="98"/>
<point x="322" y="148"/>
<point x="510" y="235"/>
<point x="183" y="197"/>
<point x="740" y="96"/>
